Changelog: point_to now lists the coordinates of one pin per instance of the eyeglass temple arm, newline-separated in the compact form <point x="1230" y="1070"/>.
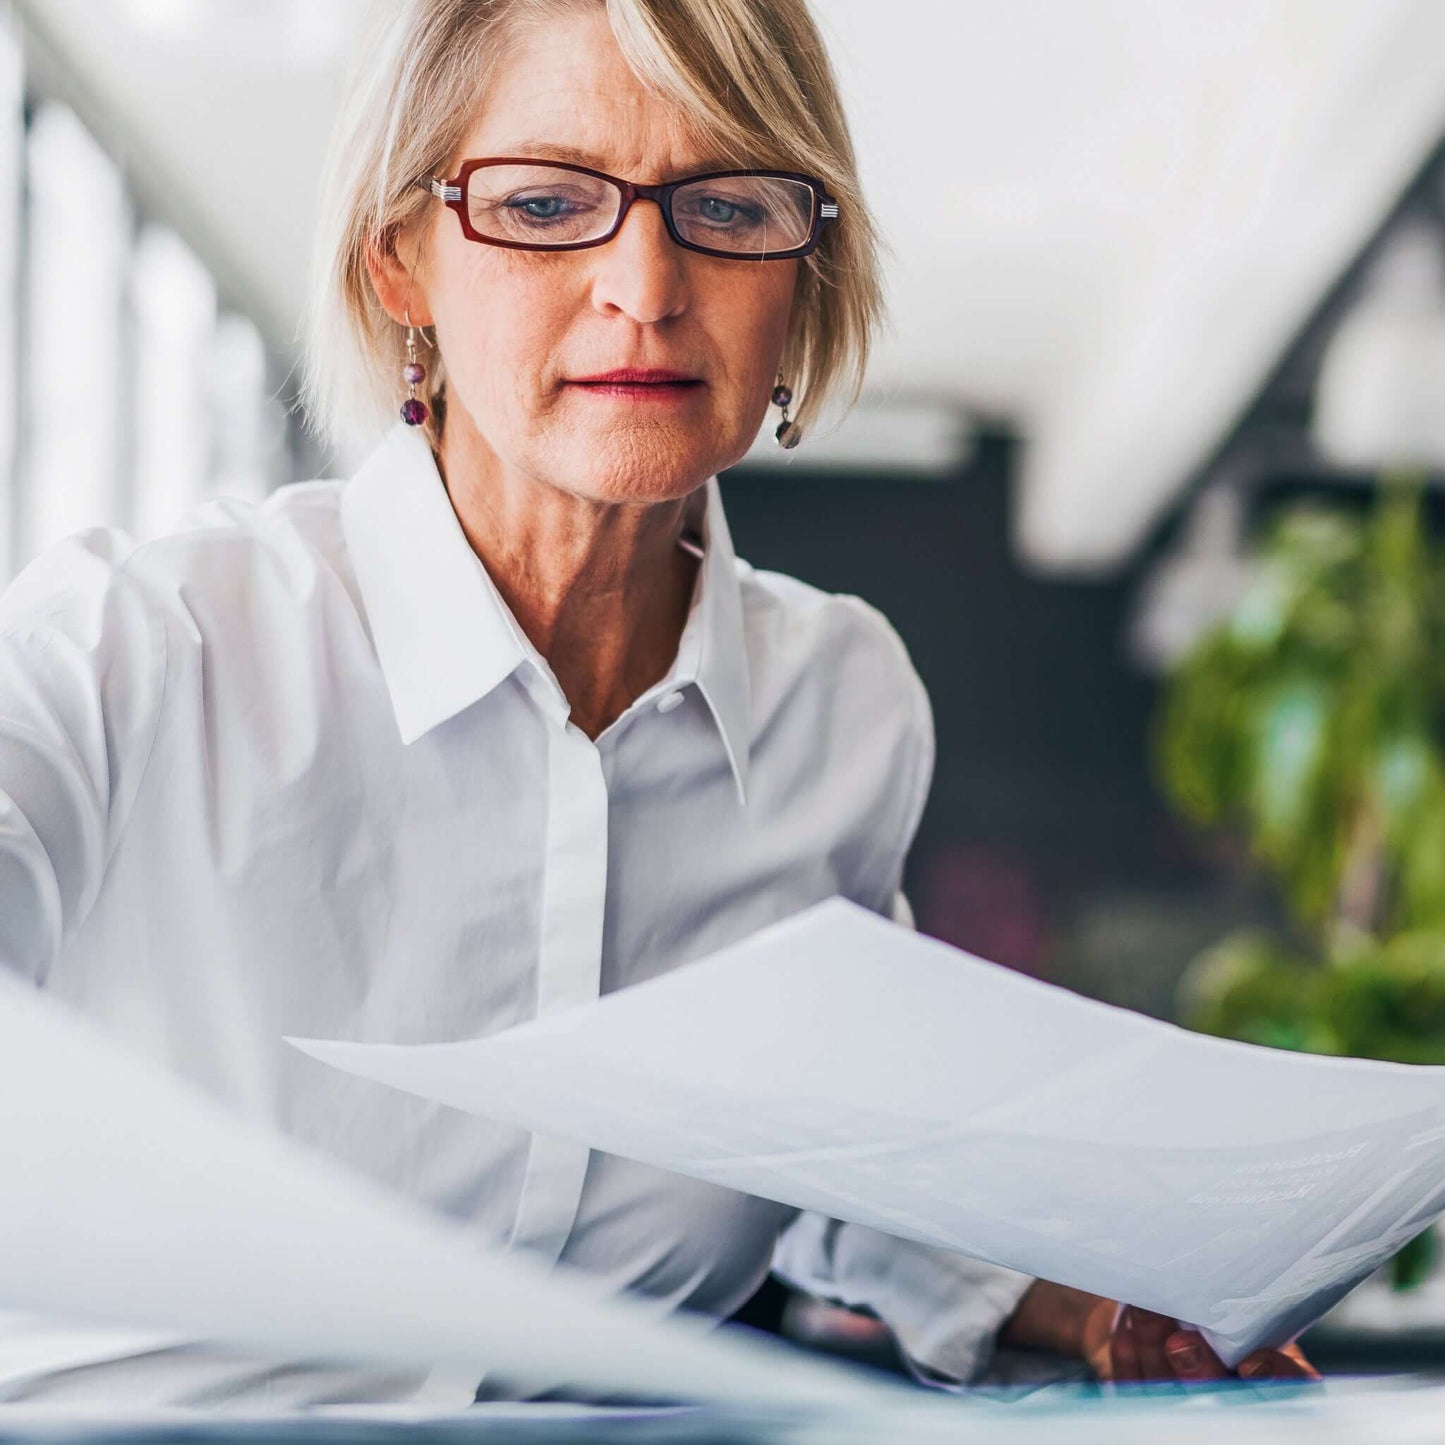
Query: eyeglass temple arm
<point x="439" y="189"/>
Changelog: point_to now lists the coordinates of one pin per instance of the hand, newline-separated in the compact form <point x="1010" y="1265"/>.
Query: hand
<point x="1130" y="1345"/>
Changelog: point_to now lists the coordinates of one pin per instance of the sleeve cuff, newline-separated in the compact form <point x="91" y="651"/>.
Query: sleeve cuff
<point x="944" y="1309"/>
<point x="956" y="1342"/>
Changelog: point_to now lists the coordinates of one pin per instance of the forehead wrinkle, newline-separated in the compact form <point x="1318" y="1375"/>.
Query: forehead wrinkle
<point x="581" y="156"/>
<point x="615" y="135"/>
<point x="583" y="105"/>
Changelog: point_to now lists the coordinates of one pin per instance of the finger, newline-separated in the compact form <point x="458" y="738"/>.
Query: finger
<point x="1125" y="1352"/>
<point x="1296" y="1354"/>
<point x="1100" y="1351"/>
<point x="1277" y="1365"/>
<point x="1149" y="1332"/>
<point x="1192" y="1360"/>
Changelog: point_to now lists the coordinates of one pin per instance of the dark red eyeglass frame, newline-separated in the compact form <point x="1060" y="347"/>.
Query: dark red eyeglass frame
<point x="454" y="193"/>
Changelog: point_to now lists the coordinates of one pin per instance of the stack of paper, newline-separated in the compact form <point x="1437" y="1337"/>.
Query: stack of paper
<point x="840" y="1063"/>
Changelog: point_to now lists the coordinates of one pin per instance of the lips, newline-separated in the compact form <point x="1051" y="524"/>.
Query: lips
<point x="638" y="376"/>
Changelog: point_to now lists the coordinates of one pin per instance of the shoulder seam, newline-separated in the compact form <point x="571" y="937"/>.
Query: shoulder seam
<point x="219" y="530"/>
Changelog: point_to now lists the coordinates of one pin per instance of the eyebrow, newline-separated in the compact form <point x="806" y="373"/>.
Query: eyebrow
<point x="550" y="151"/>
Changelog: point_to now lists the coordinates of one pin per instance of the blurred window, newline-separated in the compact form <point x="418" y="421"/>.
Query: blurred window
<point x="129" y="390"/>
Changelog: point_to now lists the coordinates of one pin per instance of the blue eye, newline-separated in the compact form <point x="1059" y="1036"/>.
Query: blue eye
<point x="719" y="213"/>
<point x="540" y="208"/>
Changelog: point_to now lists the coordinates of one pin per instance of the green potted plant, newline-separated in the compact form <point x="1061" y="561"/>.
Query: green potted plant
<point x="1312" y="723"/>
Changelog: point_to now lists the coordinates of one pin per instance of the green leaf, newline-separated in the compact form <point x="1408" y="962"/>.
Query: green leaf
<point x="1247" y="987"/>
<point x="1411" y="1267"/>
<point x="1421" y="867"/>
<point x="1287" y="750"/>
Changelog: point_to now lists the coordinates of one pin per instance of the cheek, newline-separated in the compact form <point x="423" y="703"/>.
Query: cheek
<point x="749" y="316"/>
<point x="497" y="324"/>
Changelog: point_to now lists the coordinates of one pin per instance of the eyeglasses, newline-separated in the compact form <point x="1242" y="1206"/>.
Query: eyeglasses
<point x="531" y="205"/>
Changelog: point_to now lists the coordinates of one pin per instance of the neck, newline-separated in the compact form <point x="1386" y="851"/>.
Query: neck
<point x="601" y="589"/>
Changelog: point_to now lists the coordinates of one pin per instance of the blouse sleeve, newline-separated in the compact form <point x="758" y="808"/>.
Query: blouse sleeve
<point x="82" y="672"/>
<point x="944" y="1309"/>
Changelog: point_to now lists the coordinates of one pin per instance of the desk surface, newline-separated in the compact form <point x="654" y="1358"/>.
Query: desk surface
<point x="491" y="1425"/>
<point x="1397" y="1412"/>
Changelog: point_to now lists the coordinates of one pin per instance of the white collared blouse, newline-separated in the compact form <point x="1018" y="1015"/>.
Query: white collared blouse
<point x="295" y="769"/>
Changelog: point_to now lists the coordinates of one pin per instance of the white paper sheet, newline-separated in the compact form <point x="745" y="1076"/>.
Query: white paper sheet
<point x="127" y="1199"/>
<point x="840" y="1063"/>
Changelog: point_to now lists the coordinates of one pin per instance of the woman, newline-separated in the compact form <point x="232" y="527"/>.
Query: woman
<point x="501" y="722"/>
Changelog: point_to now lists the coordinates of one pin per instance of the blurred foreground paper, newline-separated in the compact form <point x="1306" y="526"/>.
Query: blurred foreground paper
<point x="840" y="1063"/>
<point x="126" y="1198"/>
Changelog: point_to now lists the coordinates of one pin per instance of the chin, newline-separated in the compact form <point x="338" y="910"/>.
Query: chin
<point x="648" y="468"/>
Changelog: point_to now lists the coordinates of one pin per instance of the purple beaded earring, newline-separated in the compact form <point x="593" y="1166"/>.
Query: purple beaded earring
<point x="413" y="409"/>
<point x="787" y="435"/>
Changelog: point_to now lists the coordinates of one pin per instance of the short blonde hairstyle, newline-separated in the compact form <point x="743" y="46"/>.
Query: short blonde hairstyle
<point x="749" y="77"/>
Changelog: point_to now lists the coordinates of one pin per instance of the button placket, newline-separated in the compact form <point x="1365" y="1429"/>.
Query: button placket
<point x="569" y="965"/>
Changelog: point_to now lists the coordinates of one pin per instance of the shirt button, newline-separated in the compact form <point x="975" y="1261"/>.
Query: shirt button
<point x="668" y="701"/>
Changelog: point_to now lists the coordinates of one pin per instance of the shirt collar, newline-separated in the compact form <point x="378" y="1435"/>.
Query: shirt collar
<point x="446" y="638"/>
<point x="722" y="658"/>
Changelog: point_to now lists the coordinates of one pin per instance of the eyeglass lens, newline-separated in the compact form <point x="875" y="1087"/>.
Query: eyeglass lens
<point x="540" y="205"/>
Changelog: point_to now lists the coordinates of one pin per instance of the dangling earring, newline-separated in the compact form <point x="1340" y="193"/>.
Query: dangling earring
<point x="787" y="435"/>
<point x="413" y="409"/>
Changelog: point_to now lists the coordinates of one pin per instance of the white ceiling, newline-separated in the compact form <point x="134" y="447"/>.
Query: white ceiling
<point x="1107" y="217"/>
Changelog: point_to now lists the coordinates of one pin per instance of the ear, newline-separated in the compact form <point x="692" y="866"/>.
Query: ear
<point x="391" y="262"/>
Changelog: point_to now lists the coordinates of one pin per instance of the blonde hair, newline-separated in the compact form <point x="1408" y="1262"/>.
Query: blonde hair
<point x="750" y="76"/>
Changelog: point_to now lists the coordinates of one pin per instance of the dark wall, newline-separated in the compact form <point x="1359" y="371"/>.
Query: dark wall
<point x="1042" y="807"/>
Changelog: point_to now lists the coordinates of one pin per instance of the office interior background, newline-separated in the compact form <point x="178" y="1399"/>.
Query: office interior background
<point x="1164" y="275"/>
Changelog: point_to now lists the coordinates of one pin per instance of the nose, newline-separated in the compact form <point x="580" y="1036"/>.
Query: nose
<point x="640" y="273"/>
